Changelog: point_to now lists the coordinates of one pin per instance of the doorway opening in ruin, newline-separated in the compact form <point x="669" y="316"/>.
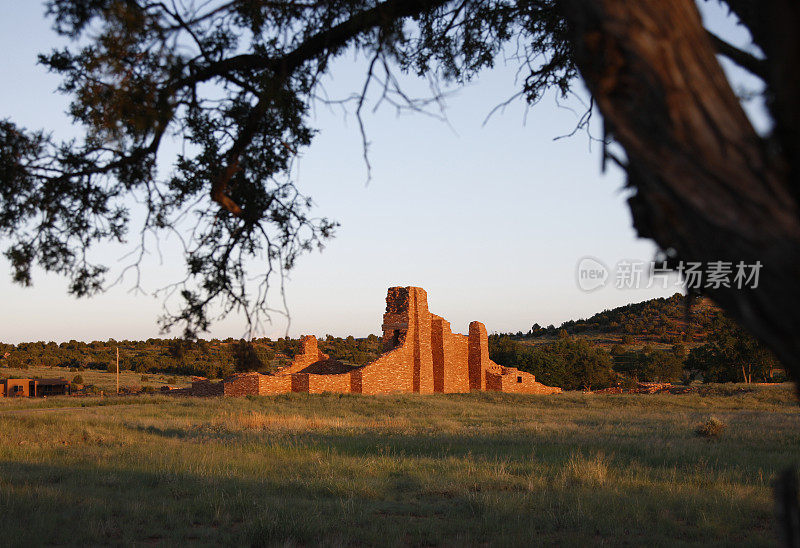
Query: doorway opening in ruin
<point x="396" y="338"/>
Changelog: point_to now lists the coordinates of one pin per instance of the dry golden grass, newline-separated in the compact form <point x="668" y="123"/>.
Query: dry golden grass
<point x="255" y="420"/>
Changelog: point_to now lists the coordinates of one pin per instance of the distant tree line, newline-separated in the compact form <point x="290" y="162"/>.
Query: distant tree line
<point x="208" y="358"/>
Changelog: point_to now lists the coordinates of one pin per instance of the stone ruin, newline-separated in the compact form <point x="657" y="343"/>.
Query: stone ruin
<point x="421" y="355"/>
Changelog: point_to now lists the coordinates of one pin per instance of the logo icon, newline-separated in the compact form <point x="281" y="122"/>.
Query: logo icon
<point x="591" y="274"/>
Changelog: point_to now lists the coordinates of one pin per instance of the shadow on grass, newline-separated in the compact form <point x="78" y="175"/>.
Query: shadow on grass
<point x="106" y="504"/>
<point x="660" y="453"/>
<point x="47" y="504"/>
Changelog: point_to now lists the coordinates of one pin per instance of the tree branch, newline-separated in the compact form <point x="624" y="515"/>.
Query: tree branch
<point x="747" y="61"/>
<point x="327" y="42"/>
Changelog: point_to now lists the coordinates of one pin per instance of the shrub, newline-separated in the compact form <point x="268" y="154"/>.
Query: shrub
<point x="144" y="378"/>
<point x="77" y="379"/>
<point x="712" y="428"/>
<point x="581" y="470"/>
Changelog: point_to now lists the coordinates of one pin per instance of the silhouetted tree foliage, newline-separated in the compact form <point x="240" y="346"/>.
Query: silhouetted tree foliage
<point x="649" y="365"/>
<point x="569" y="363"/>
<point x="245" y="357"/>
<point x="732" y="355"/>
<point x="235" y="81"/>
<point x="351" y="350"/>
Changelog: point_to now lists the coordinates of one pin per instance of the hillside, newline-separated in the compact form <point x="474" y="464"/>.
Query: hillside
<point x="662" y="320"/>
<point x="659" y="340"/>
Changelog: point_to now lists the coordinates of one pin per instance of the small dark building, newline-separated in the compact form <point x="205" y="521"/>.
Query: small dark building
<point x="33" y="388"/>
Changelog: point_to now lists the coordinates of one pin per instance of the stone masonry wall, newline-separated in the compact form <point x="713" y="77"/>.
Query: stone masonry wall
<point x="420" y="322"/>
<point x="310" y="353"/>
<point x="317" y="384"/>
<point x="450" y="358"/>
<point x="478" y="358"/>
<point x="395" y="319"/>
<point x="245" y="384"/>
<point x="299" y="382"/>
<point x="269" y="385"/>
<point x="390" y="373"/>
<point x="511" y="379"/>
<point x="206" y="388"/>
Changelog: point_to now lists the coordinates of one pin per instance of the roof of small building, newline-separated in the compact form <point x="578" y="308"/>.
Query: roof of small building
<point x="38" y="381"/>
<point x="51" y="381"/>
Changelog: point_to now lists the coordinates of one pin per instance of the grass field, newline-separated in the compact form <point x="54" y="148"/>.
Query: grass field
<point x="497" y="469"/>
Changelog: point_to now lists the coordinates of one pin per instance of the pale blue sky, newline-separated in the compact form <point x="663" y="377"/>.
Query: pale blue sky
<point x="491" y="220"/>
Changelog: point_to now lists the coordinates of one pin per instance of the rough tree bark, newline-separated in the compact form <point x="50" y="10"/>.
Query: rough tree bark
<point x="708" y="188"/>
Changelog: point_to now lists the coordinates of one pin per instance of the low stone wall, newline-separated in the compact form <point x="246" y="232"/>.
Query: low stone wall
<point x="245" y="384"/>
<point x="340" y="383"/>
<point x="309" y="353"/>
<point x="514" y="381"/>
<point x="206" y="388"/>
<point x="269" y="385"/>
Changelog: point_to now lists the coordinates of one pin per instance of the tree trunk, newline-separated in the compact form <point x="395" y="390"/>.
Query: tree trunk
<point x="708" y="188"/>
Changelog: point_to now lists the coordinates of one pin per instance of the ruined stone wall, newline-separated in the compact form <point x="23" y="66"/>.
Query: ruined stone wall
<point x="419" y="325"/>
<point x="478" y="359"/>
<point x="246" y="384"/>
<point x="439" y="326"/>
<point x="392" y="372"/>
<point x="512" y="380"/>
<point x="422" y="355"/>
<point x="309" y="353"/>
<point x="317" y="384"/>
<point x="456" y="373"/>
<point x="407" y="364"/>
<point x="494" y="382"/>
<point x="299" y="382"/>
<point x="205" y="387"/>
<point x="269" y="385"/>
<point x="395" y="319"/>
<point x="450" y="357"/>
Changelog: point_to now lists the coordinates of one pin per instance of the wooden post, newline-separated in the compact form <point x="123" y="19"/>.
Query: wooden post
<point x="118" y="371"/>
